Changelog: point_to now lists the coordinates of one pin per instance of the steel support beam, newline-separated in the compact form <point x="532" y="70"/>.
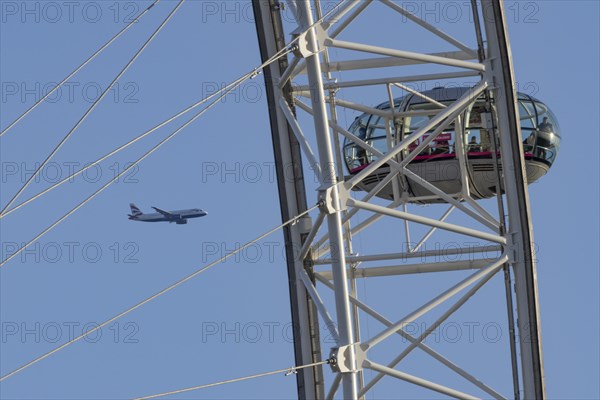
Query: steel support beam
<point x="522" y="258"/>
<point x="329" y="180"/>
<point x="420" y="268"/>
<point x="418" y="381"/>
<point x="293" y="201"/>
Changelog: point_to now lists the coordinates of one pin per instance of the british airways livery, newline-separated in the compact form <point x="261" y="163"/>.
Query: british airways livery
<point x="179" y="217"/>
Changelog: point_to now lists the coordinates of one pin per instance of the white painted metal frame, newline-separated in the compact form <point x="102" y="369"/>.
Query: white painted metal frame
<point x="313" y="63"/>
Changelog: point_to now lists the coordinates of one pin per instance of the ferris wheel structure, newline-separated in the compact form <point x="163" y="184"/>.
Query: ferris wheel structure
<point x="391" y="164"/>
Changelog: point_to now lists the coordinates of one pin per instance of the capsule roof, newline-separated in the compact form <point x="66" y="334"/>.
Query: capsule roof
<point x="532" y="110"/>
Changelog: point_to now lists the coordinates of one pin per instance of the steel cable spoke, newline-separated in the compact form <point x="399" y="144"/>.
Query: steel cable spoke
<point x="86" y="62"/>
<point x="92" y="107"/>
<point x="158" y="294"/>
<point x="287" y="371"/>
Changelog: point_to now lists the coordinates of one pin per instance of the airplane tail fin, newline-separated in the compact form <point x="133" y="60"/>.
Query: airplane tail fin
<point x="135" y="211"/>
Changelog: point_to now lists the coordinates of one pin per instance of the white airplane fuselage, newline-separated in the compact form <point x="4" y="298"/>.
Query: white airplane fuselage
<point x="177" y="216"/>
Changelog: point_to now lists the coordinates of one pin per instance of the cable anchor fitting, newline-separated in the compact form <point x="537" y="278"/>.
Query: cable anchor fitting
<point x="326" y="198"/>
<point x="305" y="47"/>
<point x="339" y="358"/>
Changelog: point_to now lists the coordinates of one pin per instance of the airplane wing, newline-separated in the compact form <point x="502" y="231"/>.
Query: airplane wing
<point x="165" y="213"/>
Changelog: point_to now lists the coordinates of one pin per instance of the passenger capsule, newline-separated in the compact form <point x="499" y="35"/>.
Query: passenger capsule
<point x="439" y="161"/>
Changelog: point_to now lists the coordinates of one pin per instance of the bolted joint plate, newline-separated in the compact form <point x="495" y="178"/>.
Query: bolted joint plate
<point x="304" y="48"/>
<point x="328" y="205"/>
<point x="512" y="250"/>
<point x="340" y="358"/>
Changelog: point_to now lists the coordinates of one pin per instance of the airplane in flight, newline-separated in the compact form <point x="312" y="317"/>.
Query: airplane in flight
<point x="180" y="217"/>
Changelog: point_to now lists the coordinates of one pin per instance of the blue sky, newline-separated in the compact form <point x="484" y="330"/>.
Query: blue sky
<point x="233" y="320"/>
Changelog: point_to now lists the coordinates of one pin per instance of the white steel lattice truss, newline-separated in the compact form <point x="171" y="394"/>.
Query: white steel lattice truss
<point x="328" y="243"/>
